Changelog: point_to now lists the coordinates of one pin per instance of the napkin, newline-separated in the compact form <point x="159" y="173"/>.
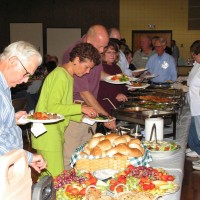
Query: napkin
<point x="88" y="121"/>
<point x="38" y="129"/>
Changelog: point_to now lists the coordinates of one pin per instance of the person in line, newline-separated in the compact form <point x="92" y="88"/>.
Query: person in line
<point x="86" y="90"/>
<point x="18" y="62"/>
<point x="142" y="55"/>
<point x="129" y="57"/>
<point x="116" y="93"/>
<point x="115" y="36"/>
<point x="57" y="97"/>
<point x="194" y="102"/>
<point x="175" y="51"/>
<point x="162" y="65"/>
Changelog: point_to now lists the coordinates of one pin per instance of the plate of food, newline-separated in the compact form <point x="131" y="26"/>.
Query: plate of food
<point x="137" y="85"/>
<point x="43" y="117"/>
<point x="162" y="149"/>
<point x="156" y="182"/>
<point x="102" y="118"/>
<point x="118" y="79"/>
<point x="140" y="70"/>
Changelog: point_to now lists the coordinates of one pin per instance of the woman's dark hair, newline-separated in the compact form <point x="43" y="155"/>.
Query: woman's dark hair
<point x="113" y="46"/>
<point x="195" y="47"/>
<point x="127" y="51"/>
<point x="85" y="51"/>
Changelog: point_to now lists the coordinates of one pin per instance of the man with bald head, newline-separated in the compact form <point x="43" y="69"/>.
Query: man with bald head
<point x="115" y="36"/>
<point x="86" y="90"/>
<point x="142" y="55"/>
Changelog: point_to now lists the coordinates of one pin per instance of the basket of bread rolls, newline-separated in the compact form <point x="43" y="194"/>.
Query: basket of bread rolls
<point x="110" y="151"/>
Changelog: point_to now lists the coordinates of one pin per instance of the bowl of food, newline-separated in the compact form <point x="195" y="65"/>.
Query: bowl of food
<point x="162" y="149"/>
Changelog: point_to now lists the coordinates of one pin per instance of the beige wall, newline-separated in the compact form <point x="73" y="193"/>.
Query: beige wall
<point x="166" y="15"/>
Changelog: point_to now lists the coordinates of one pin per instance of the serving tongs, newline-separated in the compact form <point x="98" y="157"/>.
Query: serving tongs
<point x="152" y="131"/>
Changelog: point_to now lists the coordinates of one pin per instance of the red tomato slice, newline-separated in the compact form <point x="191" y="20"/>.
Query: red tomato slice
<point x="82" y="192"/>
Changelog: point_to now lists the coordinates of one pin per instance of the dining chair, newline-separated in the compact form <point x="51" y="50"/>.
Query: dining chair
<point x="20" y="105"/>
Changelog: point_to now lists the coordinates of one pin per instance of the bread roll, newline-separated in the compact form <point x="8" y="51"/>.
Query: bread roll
<point x="93" y="142"/>
<point x="137" y="146"/>
<point x="96" y="151"/>
<point x="135" y="152"/>
<point x="104" y="145"/>
<point x="118" y="155"/>
<point x="120" y="140"/>
<point x="98" y="135"/>
<point x="82" y="153"/>
<point x="128" y="138"/>
<point x="111" y="137"/>
<point x="101" y="138"/>
<point x="111" y="151"/>
<point x="87" y="149"/>
<point x="123" y="149"/>
<point x="135" y="140"/>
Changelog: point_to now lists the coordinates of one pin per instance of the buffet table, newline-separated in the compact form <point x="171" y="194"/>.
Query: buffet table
<point x="175" y="163"/>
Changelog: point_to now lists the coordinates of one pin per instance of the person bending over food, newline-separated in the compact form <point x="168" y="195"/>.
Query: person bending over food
<point x="57" y="97"/>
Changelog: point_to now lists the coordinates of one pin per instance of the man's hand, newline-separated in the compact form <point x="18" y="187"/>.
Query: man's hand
<point x="38" y="163"/>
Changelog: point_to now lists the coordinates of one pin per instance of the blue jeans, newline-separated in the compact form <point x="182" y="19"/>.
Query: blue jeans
<point x="193" y="140"/>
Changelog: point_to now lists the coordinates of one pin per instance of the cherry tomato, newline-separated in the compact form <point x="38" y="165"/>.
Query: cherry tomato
<point x="151" y="186"/>
<point x="92" y="181"/>
<point x="69" y="188"/>
<point x="74" y="191"/>
<point x="146" y="187"/>
<point x="119" y="189"/>
<point x="113" y="181"/>
<point x="167" y="148"/>
<point x="127" y="172"/>
<point x="82" y="192"/>
<point x="131" y="167"/>
<point x="164" y="177"/>
<point x="170" y="178"/>
<point x="112" y="187"/>
<point x="122" y="179"/>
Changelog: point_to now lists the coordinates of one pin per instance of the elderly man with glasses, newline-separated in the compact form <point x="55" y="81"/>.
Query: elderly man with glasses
<point x="17" y="63"/>
<point x="161" y="65"/>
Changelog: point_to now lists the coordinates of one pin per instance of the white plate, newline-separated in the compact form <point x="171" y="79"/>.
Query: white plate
<point x="104" y="173"/>
<point x="108" y="80"/>
<point x="150" y="76"/>
<point x="140" y="70"/>
<point x="47" y="121"/>
<point x="138" y="87"/>
<point x="101" y="120"/>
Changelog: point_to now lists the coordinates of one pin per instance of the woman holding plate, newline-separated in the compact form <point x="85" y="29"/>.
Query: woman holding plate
<point x="116" y="93"/>
<point x="57" y="97"/>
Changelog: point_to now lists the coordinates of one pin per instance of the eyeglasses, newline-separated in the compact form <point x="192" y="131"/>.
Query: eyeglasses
<point x="27" y="74"/>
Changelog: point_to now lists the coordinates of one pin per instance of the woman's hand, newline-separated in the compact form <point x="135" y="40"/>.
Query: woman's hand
<point x="38" y="163"/>
<point x="111" y="125"/>
<point x="121" y="97"/>
<point x="19" y="114"/>
<point x="89" y="111"/>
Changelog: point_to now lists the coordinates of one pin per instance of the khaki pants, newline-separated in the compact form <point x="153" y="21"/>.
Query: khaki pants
<point x="75" y="135"/>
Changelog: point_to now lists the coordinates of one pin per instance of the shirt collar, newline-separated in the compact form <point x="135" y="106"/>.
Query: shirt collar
<point x="3" y="81"/>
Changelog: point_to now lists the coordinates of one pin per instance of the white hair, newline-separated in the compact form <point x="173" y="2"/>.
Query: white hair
<point x="23" y="50"/>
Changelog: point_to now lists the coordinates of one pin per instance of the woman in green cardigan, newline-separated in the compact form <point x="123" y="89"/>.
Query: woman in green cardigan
<point x="57" y="97"/>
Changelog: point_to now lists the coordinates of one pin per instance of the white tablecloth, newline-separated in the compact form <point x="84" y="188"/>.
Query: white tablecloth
<point x="175" y="164"/>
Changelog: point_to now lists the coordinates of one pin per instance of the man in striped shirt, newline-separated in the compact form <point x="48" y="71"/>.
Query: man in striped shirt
<point x="17" y="63"/>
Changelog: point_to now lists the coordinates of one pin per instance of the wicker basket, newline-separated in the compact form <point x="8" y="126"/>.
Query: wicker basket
<point x="118" y="163"/>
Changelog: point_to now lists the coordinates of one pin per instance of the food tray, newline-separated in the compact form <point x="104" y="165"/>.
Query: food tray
<point x="93" y="163"/>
